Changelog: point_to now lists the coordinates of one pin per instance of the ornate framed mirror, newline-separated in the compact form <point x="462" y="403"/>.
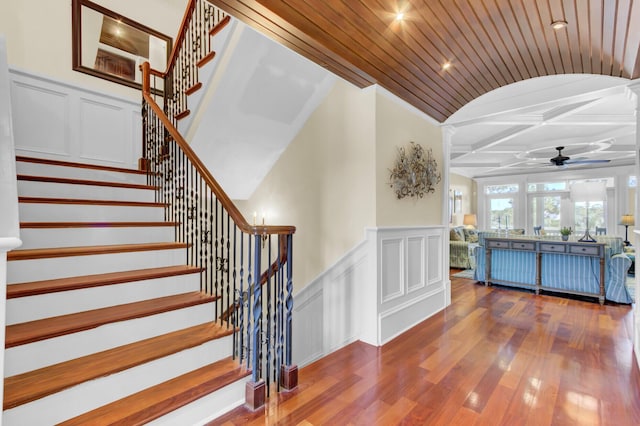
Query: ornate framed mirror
<point x="111" y="46"/>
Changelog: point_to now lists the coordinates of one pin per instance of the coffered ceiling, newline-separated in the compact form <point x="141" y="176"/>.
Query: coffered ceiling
<point x="488" y="44"/>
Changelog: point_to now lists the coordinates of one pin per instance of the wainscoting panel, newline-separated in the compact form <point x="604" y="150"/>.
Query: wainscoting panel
<point x="40" y="117"/>
<point x="99" y="139"/>
<point x="326" y="313"/>
<point x="379" y="289"/>
<point x="392" y="269"/>
<point x="421" y="260"/>
<point x="435" y="260"/>
<point x="61" y="121"/>
<point x="415" y="264"/>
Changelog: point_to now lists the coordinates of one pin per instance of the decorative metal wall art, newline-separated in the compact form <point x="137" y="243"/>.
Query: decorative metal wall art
<point x="415" y="173"/>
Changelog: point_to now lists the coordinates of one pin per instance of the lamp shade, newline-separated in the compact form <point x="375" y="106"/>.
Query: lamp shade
<point x="588" y="191"/>
<point x="470" y="219"/>
<point x="627" y="220"/>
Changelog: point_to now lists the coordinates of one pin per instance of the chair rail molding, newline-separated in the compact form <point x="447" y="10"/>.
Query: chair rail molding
<point x="392" y="280"/>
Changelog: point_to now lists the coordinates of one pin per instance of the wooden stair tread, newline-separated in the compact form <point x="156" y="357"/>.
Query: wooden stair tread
<point x="88" y="281"/>
<point x="220" y="25"/>
<point x="182" y="114"/>
<point x="38" y="225"/>
<point x="191" y="90"/>
<point x="23" y="388"/>
<point x="72" y="181"/>
<point x="33" y="331"/>
<point x="42" y="253"/>
<point x="154" y="402"/>
<point x="45" y="200"/>
<point x="206" y="59"/>
<point x="78" y="165"/>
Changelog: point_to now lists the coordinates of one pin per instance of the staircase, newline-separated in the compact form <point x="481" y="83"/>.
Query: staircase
<point x="106" y="323"/>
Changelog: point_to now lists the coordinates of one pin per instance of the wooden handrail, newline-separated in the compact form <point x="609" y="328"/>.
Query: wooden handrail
<point x="226" y="202"/>
<point x="181" y="34"/>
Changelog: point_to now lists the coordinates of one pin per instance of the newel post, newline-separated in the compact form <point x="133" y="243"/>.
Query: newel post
<point x="255" y="390"/>
<point x="289" y="372"/>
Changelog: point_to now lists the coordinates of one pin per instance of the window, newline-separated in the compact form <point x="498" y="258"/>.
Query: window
<point x="547" y="187"/>
<point x="546" y="211"/>
<point x="501" y="213"/>
<point x="501" y="189"/>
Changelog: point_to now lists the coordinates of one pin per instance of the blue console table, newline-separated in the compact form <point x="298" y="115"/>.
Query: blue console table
<point x="534" y="261"/>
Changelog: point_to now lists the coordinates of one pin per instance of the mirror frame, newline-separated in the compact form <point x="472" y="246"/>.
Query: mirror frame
<point x="76" y="28"/>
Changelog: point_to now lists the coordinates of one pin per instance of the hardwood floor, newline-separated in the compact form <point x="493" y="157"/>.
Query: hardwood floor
<point x="494" y="357"/>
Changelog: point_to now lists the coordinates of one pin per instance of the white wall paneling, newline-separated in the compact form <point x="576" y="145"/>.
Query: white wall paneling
<point x="327" y="311"/>
<point x="57" y="120"/>
<point x="420" y="280"/>
<point x="388" y="283"/>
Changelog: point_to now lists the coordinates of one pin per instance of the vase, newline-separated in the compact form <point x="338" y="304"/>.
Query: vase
<point x="565" y="238"/>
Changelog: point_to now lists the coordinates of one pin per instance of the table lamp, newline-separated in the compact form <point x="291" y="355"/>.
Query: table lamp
<point x="627" y="221"/>
<point x="470" y="220"/>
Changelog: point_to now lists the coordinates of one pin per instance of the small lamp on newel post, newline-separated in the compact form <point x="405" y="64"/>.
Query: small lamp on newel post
<point x="627" y="221"/>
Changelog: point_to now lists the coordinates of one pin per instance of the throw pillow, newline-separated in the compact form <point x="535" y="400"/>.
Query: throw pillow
<point x="454" y="236"/>
<point x="470" y="235"/>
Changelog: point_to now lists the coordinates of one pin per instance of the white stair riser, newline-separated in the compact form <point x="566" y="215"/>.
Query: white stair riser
<point x="41" y="306"/>
<point x="35" y="169"/>
<point x="95" y="393"/>
<point x="19" y="271"/>
<point x="88" y="192"/>
<point x="208" y="408"/>
<point x="47" y="352"/>
<point x="45" y="212"/>
<point x="33" y="238"/>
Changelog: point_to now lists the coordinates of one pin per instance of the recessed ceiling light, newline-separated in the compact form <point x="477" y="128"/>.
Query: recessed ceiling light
<point x="558" y="25"/>
<point x="446" y="65"/>
<point x="399" y="16"/>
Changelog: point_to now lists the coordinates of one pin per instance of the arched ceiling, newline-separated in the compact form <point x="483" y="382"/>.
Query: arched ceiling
<point x="489" y="43"/>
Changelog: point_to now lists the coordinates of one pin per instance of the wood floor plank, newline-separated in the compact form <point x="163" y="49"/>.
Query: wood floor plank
<point x="33" y="331"/>
<point x="509" y="358"/>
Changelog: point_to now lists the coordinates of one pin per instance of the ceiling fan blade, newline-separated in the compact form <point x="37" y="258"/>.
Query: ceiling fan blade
<point x="586" y="161"/>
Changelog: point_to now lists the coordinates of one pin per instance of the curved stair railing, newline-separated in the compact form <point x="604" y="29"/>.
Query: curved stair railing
<point x="231" y="253"/>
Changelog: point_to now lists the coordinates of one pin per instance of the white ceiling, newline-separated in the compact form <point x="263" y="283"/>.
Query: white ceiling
<point x="515" y="129"/>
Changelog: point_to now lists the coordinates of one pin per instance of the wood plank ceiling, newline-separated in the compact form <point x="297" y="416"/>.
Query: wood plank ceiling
<point x="489" y="43"/>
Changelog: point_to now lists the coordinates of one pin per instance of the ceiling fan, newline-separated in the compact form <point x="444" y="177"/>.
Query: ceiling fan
<point x="563" y="160"/>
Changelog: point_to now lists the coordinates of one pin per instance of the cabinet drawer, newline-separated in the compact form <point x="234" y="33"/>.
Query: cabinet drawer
<point x="498" y="244"/>
<point x="517" y="245"/>
<point x="590" y="251"/>
<point x="556" y="248"/>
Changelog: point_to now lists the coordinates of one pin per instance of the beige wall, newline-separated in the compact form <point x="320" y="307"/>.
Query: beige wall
<point x="469" y="197"/>
<point x="396" y="126"/>
<point x="324" y="182"/>
<point x="38" y="35"/>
